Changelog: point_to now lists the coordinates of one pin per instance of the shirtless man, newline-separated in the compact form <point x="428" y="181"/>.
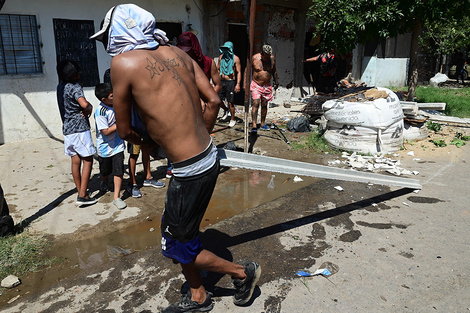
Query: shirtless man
<point x="230" y="73"/>
<point x="165" y="86"/>
<point x="264" y="68"/>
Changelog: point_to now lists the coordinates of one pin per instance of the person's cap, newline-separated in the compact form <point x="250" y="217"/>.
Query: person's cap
<point x="185" y="42"/>
<point x="267" y="49"/>
<point x="228" y="45"/>
<point x="104" y="27"/>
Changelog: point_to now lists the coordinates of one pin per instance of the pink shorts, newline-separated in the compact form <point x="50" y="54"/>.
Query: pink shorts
<point x="261" y="92"/>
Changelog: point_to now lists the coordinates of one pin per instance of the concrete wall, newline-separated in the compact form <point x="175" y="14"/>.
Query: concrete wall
<point x="384" y="72"/>
<point x="28" y="105"/>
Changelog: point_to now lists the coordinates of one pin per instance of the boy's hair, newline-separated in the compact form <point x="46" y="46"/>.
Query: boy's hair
<point x="67" y="69"/>
<point x="102" y="90"/>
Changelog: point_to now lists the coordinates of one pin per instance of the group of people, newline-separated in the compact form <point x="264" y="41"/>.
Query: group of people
<point x="226" y="77"/>
<point x="75" y="111"/>
<point x="161" y="95"/>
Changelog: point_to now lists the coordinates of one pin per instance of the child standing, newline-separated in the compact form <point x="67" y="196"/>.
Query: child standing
<point x="74" y="112"/>
<point x="110" y="145"/>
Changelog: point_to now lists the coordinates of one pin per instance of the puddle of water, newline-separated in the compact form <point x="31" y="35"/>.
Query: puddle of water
<point x="237" y="190"/>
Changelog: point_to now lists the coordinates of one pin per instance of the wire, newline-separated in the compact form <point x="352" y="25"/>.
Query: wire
<point x="212" y="15"/>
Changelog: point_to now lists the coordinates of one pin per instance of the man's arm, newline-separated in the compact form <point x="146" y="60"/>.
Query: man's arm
<point x="215" y="77"/>
<point x="123" y="101"/>
<point x="238" y="69"/>
<point x="86" y="106"/>
<point x="110" y="130"/>
<point x="208" y="95"/>
<point x="218" y="63"/>
<point x="312" y="59"/>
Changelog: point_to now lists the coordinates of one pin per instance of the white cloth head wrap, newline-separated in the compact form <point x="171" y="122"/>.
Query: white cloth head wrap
<point x="133" y="28"/>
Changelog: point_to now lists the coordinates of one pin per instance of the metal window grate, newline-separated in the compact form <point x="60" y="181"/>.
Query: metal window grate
<point x="19" y="45"/>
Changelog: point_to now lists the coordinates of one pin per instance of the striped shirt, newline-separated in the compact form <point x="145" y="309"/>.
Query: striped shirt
<point x="107" y="146"/>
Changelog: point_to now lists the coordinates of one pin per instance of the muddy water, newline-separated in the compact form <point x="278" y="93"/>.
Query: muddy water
<point x="237" y="190"/>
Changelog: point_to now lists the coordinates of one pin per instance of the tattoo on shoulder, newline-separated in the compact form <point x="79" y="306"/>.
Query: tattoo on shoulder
<point x="158" y="66"/>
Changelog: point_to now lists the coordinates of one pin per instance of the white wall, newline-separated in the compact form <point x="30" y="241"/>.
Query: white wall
<point x="28" y="105"/>
<point x="384" y="72"/>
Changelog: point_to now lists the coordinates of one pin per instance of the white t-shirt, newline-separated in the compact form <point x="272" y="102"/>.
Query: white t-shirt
<point x="107" y="146"/>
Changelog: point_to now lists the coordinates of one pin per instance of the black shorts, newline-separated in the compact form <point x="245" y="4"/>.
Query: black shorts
<point x="113" y="165"/>
<point x="186" y="202"/>
<point x="228" y="90"/>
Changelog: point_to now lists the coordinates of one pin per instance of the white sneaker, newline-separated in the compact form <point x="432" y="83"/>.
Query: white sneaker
<point x="232" y="123"/>
<point x="225" y="116"/>
<point x="119" y="203"/>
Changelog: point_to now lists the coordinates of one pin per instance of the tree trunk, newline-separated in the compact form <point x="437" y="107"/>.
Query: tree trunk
<point x="413" y="73"/>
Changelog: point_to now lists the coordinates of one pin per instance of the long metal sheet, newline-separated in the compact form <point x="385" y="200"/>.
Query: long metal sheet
<point x="277" y="165"/>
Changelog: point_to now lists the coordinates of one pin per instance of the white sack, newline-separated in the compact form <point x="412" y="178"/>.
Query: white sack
<point x="366" y="127"/>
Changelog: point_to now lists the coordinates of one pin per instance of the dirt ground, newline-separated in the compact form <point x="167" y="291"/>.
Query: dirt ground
<point x="392" y="250"/>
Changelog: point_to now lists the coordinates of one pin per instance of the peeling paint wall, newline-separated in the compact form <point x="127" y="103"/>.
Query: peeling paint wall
<point x="280" y="30"/>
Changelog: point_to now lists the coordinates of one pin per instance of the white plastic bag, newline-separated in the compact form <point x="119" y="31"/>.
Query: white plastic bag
<point x="437" y="79"/>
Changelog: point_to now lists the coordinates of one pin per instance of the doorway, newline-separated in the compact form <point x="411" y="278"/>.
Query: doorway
<point x="238" y="36"/>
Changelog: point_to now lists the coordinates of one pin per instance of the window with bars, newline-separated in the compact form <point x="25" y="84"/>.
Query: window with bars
<point x="19" y="45"/>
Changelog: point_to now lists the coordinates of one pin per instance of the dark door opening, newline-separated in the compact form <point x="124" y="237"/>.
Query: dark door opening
<point x="238" y="36"/>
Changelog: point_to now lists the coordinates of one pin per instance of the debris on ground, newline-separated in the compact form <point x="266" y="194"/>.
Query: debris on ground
<point x="10" y="281"/>
<point x="372" y="164"/>
<point x="320" y="271"/>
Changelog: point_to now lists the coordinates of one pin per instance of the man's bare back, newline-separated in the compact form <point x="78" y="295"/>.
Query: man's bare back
<point x="166" y="87"/>
<point x="264" y="68"/>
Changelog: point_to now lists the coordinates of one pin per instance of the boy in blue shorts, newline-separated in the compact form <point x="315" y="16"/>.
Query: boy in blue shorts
<point x="74" y="112"/>
<point x="110" y="145"/>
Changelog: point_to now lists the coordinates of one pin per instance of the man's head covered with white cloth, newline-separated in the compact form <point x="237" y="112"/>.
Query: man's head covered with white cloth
<point x="127" y="27"/>
<point x="165" y="86"/>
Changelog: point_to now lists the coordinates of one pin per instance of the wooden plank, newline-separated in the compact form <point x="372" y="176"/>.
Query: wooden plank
<point x="446" y="119"/>
<point x="438" y="106"/>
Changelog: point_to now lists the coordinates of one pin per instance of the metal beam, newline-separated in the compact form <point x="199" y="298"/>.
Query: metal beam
<point x="271" y="164"/>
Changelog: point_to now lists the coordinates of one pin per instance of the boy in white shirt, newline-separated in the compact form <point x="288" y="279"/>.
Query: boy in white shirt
<point x="109" y="145"/>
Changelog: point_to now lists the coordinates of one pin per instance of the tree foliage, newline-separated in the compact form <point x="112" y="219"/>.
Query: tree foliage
<point x="446" y="36"/>
<point x="345" y="23"/>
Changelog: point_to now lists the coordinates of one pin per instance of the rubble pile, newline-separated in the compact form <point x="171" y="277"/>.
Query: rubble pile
<point x="372" y="164"/>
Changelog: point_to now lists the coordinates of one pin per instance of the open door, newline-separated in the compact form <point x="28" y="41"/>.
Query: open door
<point x="238" y="36"/>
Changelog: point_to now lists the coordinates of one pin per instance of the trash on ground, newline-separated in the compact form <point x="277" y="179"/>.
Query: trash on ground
<point x="297" y="179"/>
<point x="10" y="281"/>
<point x="339" y="188"/>
<point x="271" y="183"/>
<point x="372" y="163"/>
<point x="320" y="271"/>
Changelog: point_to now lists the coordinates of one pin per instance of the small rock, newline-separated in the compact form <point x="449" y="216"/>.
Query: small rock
<point x="10" y="281"/>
